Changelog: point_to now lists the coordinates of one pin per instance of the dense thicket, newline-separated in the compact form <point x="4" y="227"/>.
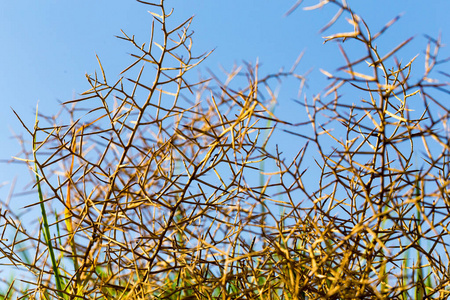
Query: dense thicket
<point x="153" y="186"/>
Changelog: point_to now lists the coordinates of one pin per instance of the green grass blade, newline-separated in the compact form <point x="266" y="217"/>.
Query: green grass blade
<point x="46" y="228"/>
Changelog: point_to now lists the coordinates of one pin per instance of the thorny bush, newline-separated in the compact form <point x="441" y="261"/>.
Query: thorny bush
<point x="157" y="185"/>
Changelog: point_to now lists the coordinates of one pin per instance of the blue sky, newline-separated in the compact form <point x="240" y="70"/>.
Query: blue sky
<point x="49" y="46"/>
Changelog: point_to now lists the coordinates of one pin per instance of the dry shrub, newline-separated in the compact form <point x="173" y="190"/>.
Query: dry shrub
<point x="165" y="188"/>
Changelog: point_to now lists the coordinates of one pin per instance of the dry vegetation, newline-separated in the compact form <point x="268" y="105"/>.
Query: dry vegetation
<point x="161" y="188"/>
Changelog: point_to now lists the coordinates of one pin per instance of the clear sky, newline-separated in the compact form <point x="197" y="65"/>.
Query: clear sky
<point x="48" y="46"/>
